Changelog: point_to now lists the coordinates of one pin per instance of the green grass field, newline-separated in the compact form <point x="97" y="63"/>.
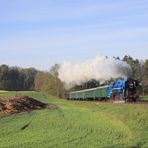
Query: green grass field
<point x="73" y="124"/>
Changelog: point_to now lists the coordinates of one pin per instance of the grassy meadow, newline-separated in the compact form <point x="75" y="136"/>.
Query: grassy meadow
<point x="74" y="124"/>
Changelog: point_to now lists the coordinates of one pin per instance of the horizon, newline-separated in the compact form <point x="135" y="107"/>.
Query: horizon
<point x="73" y="62"/>
<point x="40" y="34"/>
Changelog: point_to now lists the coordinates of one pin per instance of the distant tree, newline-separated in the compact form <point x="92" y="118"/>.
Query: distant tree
<point x="40" y="80"/>
<point x="29" y="76"/>
<point x="117" y="58"/>
<point x="135" y="65"/>
<point x="4" y="70"/>
<point x="50" y="82"/>
<point x="14" y="81"/>
<point x="54" y="84"/>
<point x="144" y="80"/>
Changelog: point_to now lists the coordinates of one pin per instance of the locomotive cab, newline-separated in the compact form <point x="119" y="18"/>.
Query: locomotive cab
<point x="117" y="89"/>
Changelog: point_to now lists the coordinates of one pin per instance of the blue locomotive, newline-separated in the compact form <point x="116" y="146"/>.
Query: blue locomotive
<point x="125" y="90"/>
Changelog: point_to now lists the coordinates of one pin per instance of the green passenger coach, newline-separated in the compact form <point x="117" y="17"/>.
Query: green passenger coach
<point x="98" y="93"/>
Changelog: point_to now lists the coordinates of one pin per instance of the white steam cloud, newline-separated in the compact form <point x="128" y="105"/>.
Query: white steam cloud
<point x="99" y="68"/>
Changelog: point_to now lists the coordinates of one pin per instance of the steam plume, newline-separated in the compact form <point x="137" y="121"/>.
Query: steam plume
<point x="99" y="68"/>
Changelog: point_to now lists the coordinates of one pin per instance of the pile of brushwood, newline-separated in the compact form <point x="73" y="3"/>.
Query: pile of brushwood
<point x="17" y="104"/>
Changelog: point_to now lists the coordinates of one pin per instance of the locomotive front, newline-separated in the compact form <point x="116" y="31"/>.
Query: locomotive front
<point x="131" y="90"/>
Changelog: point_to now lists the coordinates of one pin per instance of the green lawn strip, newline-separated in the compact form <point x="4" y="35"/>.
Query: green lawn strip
<point x="143" y="99"/>
<point x="133" y="117"/>
<point x="75" y="124"/>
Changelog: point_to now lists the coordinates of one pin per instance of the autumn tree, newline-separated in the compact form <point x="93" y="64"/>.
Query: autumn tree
<point x="56" y="86"/>
<point x="49" y="82"/>
<point x="40" y="81"/>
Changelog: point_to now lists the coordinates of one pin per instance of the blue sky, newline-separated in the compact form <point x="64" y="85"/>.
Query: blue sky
<point x="40" y="33"/>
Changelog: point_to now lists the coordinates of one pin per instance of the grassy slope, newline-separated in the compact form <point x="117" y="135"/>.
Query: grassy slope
<point x="76" y="124"/>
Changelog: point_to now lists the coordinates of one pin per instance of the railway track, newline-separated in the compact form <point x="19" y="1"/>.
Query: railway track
<point x="115" y="102"/>
<point x="138" y="103"/>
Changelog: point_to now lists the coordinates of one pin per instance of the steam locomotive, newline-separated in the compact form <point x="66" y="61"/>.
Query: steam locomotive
<point x="121" y="90"/>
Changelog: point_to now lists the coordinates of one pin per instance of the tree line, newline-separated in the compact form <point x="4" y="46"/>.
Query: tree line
<point x="15" y="78"/>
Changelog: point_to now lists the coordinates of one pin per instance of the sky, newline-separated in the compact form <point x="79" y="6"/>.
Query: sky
<point x="40" y="33"/>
